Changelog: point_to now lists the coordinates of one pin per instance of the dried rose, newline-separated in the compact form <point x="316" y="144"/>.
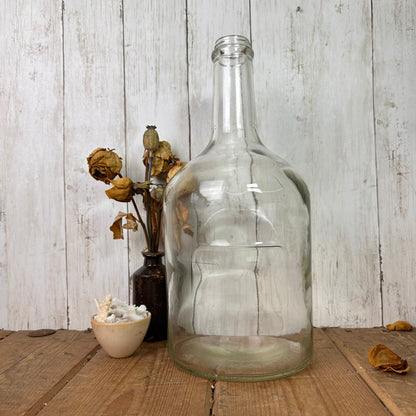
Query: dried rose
<point x="151" y="139"/>
<point x="386" y="360"/>
<point x="399" y="326"/>
<point x="104" y="164"/>
<point x="122" y="190"/>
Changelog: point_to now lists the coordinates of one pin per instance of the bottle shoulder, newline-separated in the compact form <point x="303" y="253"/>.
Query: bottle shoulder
<point x="254" y="170"/>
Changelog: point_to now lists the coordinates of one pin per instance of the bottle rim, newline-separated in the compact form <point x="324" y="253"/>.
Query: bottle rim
<point x="232" y="46"/>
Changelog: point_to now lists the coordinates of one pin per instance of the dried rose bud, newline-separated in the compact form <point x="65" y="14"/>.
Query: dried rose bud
<point x="151" y="139"/>
<point x="104" y="164"/>
<point x="122" y="190"/>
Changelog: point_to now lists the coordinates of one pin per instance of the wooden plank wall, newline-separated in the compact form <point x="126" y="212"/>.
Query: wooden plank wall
<point x="335" y="97"/>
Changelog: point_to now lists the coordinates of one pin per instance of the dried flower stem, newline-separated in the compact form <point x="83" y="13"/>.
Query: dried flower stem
<point x="141" y="222"/>
<point x="139" y="217"/>
<point x="149" y="172"/>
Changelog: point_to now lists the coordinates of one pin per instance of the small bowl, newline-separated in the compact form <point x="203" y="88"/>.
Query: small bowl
<point x="121" y="339"/>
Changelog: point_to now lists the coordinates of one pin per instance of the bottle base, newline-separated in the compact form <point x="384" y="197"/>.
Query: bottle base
<point x="229" y="358"/>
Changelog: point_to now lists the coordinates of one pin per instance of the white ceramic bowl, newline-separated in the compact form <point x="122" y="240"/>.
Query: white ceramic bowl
<point x="122" y="339"/>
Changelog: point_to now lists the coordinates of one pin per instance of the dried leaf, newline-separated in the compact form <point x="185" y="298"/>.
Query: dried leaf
<point x="122" y="190"/>
<point x="132" y="222"/>
<point x="174" y="170"/>
<point x="162" y="158"/>
<point x="117" y="228"/>
<point x="386" y="360"/>
<point x="104" y="164"/>
<point x="157" y="194"/>
<point x="399" y="326"/>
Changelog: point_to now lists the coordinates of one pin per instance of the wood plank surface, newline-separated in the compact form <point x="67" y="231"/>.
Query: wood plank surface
<point x="142" y="385"/>
<point x="329" y="386"/>
<point x="396" y="391"/>
<point x="395" y="124"/>
<point x="33" y="370"/>
<point x="94" y="117"/>
<point x="32" y="220"/>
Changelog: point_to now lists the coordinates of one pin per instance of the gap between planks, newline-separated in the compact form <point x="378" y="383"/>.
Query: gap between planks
<point x="50" y="394"/>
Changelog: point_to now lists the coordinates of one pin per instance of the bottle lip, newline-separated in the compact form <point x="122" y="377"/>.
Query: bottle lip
<point x="232" y="46"/>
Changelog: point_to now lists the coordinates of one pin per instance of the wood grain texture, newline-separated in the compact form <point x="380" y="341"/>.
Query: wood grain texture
<point x="207" y="21"/>
<point x="395" y="123"/>
<point x="329" y="386"/>
<point x="283" y="33"/>
<point x="155" y="88"/>
<point x="32" y="225"/>
<point x="397" y="392"/>
<point x="94" y="117"/>
<point x="145" y="384"/>
<point x="34" y="369"/>
<point x="346" y="284"/>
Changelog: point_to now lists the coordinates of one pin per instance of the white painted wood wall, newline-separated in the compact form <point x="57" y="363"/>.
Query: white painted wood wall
<point x="336" y="97"/>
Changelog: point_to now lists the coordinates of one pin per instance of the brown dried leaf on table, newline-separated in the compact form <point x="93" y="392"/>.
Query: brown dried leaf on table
<point x="385" y="359"/>
<point x="41" y="333"/>
<point x="399" y="326"/>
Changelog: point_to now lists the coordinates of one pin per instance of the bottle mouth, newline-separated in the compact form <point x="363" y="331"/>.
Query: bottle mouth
<point x="232" y="46"/>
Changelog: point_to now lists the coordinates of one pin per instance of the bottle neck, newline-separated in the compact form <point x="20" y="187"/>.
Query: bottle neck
<point x="234" y="114"/>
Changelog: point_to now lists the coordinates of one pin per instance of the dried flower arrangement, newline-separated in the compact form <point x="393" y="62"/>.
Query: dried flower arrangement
<point x="160" y="167"/>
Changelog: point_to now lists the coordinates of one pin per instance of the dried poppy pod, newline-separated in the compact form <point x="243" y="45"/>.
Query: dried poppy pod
<point x="151" y="139"/>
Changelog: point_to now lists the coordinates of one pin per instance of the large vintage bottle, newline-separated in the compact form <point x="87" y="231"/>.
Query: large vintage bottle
<point x="237" y="244"/>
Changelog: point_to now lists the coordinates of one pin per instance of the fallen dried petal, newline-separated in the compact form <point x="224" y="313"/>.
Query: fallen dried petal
<point x="403" y="368"/>
<point x="399" y="326"/>
<point x="41" y="333"/>
<point x="386" y="360"/>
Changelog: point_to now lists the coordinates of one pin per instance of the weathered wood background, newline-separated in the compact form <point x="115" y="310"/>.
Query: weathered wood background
<point x="336" y="97"/>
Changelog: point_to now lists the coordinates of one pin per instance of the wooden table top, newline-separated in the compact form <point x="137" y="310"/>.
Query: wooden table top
<point x="68" y="374"/>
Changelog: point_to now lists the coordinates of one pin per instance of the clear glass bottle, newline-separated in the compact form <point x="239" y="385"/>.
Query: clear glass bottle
<point x="237" y="244"/>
